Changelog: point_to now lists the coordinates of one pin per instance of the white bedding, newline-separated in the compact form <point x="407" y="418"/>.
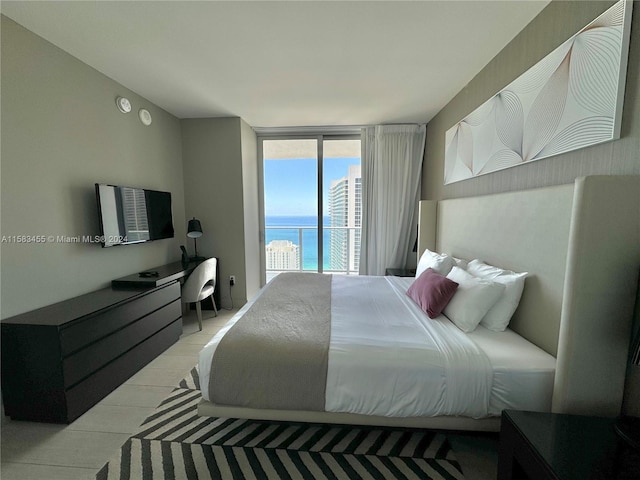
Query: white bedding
<point x="383" y="358"/>
<point x="386" y="357"/>
<point x="523" y="374"/>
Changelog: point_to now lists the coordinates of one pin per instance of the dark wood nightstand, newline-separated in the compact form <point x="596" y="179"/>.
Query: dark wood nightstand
<point x="400" y="272"/>
<point x="541" y="446"/>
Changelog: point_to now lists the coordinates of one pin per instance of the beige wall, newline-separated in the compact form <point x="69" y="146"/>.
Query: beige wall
<point x="218" y="161"/>
<point x="556" y="23"/>
<point x="61" y="133"/>
<point x="251" y="208"/>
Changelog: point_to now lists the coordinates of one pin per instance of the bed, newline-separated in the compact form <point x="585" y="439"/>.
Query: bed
<point x="565" y="349"/>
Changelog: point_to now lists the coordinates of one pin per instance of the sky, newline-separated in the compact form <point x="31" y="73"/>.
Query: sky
<point x="287" y="179"/>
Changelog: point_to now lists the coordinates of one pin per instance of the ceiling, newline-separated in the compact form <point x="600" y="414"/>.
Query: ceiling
<point x="293" y="63"/>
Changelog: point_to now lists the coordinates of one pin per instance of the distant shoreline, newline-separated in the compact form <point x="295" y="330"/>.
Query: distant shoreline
<point x="294" y="220"/>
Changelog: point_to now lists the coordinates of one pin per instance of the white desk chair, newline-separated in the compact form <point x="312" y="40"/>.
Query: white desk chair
<point x="200" y="285"/>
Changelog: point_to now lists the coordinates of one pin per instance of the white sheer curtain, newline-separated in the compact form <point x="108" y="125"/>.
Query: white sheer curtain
<point x="391" y="165"/>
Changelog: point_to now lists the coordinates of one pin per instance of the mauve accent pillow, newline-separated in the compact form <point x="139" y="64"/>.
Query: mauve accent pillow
<point x="432" y="292"/>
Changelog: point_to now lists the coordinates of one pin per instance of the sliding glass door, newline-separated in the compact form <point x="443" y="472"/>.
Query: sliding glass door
<point x="291" y="216"/>
<point x="342" y="201"/>
<point x="311" y="204"/>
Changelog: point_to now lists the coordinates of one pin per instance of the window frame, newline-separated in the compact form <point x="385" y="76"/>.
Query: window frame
<point x="308" y="133"/>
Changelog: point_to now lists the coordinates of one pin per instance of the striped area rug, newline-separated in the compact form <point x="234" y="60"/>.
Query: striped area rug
<point x="175" y="443"/>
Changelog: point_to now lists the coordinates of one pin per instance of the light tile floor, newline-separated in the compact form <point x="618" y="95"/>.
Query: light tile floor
<point x="77" y="451"/>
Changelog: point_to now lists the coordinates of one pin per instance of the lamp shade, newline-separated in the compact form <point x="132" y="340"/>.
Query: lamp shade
<point x="194" y="229"/>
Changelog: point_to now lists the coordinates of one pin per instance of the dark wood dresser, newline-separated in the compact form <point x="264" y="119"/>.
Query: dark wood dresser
<point x="60" y="360"/>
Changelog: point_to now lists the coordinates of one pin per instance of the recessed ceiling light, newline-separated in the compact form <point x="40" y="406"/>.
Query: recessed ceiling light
<point x="124" y="105"/>
<point x="145" y="116"/>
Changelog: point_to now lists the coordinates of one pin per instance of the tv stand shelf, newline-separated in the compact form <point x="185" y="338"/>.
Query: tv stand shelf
<point x="60" y="360"/>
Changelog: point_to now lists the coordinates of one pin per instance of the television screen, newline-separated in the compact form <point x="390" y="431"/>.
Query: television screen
<point x="133" y="215"/>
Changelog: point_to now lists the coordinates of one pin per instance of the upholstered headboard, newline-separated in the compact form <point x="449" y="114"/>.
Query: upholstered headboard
<point x="581" y="245"/>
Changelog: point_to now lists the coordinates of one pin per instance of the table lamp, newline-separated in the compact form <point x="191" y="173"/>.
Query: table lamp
<point x="194" y="230"/>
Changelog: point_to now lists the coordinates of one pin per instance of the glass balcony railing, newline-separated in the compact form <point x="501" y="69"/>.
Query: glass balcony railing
<point x="295" y="248"/>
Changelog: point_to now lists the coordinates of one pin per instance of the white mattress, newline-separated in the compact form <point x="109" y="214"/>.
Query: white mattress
<point x="520" y="375"/>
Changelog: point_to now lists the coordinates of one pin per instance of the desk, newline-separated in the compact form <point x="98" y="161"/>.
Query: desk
<point x="168" y="273"/>
<point x="541" y="446"/>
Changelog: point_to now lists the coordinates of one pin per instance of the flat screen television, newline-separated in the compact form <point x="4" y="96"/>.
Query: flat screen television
<point x="133" y="215"/>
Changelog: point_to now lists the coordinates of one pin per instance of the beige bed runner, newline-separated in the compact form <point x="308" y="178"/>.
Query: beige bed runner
<point x="276" y="355"/>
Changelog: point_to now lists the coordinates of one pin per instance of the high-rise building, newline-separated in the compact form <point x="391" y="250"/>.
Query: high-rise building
<point x="345" y="213"/>
<point x="282" y="255"/>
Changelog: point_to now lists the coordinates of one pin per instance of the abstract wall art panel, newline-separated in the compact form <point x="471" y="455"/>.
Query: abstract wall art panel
<point x="569" y="100"/>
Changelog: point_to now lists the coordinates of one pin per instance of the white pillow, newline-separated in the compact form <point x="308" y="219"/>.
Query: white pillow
<point x="473" y="299"/>
<point x="499" y="316"/>
<point x="439" y="263"/>
<point x="460" y="262"/>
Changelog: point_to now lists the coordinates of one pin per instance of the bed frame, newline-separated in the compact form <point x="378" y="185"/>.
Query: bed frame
<point x="581" y="245"/>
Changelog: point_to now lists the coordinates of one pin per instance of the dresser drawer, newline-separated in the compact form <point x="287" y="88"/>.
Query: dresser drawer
<point x="89" y="329"/>
<point x="94" y="356"/>
<point x="90" y="391"/>
<point x="59" y="360"/>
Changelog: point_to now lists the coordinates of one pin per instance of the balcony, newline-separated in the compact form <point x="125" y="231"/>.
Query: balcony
<point x="341" y="250"/>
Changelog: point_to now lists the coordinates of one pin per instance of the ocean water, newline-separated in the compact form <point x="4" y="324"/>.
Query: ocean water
<point x="309" y="237"/>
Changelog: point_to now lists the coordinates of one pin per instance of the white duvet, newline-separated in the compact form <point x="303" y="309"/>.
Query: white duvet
<point x="386" y="357"/>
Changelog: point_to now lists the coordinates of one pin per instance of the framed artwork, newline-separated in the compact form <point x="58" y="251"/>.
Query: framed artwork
<point x="570" y="99"/>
